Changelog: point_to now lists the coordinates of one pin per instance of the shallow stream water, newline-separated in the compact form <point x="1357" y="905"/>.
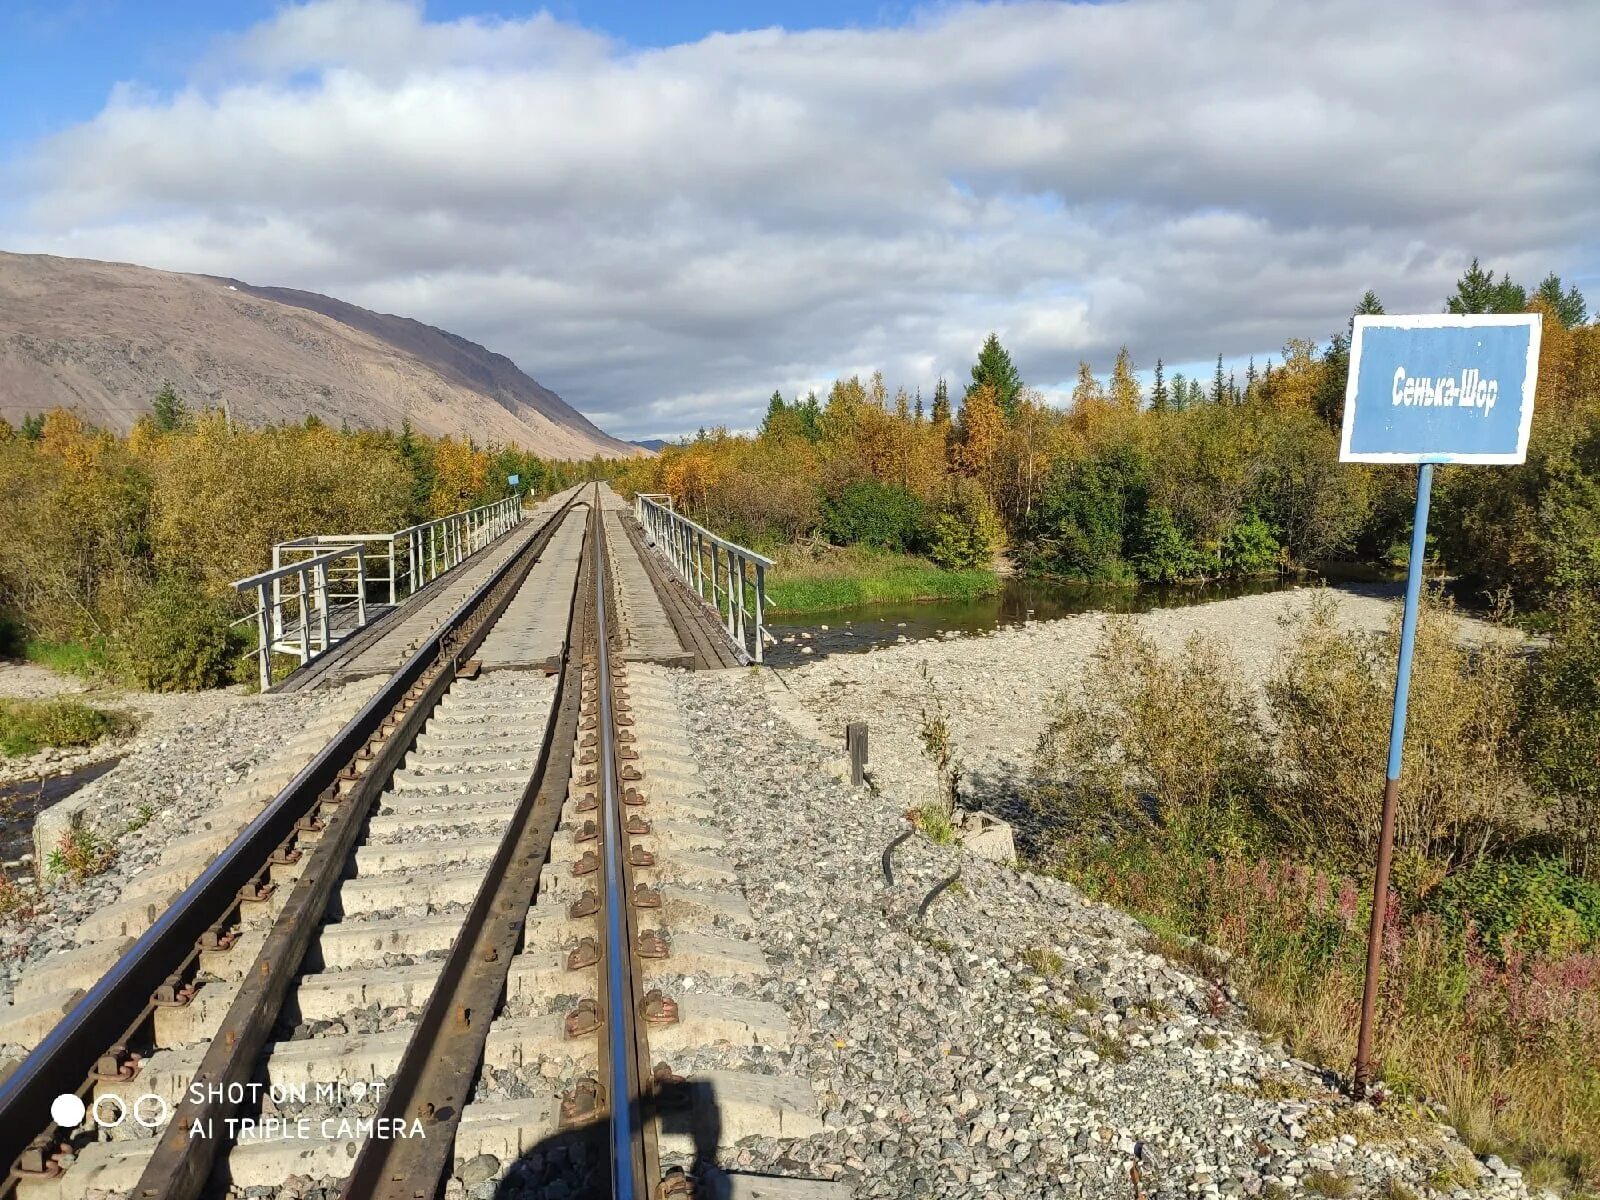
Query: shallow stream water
<point x="1024" y="598"/>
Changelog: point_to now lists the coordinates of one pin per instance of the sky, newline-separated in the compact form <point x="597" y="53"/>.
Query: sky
<point x="664" y="211"/>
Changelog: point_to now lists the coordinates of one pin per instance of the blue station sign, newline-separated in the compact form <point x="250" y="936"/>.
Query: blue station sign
<point x="1441" y="389"/>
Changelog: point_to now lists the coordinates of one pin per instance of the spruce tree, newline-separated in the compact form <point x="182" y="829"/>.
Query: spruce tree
<point x="1219" y="384"/>
<point x="1160" y="398"/>
<point x="1569" y="306"/>
<point x="916" y="412"/>
<point x="170" y="412"/>
<point x="995" y="368"/>
<point x="775" y="411"/>
<point x="941" y="403"/>
<point x="1478" y="291"/>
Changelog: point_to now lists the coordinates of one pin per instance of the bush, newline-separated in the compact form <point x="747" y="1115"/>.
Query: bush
<point x="1161" y="552"/>
<point x="1155" y="740"/>
<point x="1561" y="728"/>
<point x="1250" y="548"/>
<point x="28" y="726"/>
<point x="1086" y="511"/>
<point x="177" y="640"/>
<point x="1461" y="793"/>
<point x="1537" y="907"/>
<point x="966" y="529"/>
<point x="884" y="516"/>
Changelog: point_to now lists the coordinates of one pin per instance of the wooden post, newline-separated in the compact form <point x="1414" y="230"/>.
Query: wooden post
<point x="855" y="742"/>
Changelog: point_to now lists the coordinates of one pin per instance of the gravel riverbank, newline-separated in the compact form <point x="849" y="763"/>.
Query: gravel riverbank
<point x="995" y="687"/>
<point x="1018" y="1041"/>
<point x="190" y="753"/>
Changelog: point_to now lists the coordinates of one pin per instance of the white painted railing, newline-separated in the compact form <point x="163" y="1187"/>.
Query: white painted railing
<point x="317" y="591"/>
<point x="726" y="575"/>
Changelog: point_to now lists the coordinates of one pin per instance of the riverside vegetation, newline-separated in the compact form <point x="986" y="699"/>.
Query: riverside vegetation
<point x="863" y="495"/>
<point x="120" y="551"/>
<point x="1170" y="787"/>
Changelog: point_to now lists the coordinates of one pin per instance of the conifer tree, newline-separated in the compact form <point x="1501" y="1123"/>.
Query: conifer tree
<point x="1219" y="385"/>
<point x="1180" y="391"/>
<point x="995" y="368"/>
<point x="1478" y="291"/>
<point x="1125" y="392"/>
<point x="1160" y="398"/>
<point x="941" y="403"/>
<point x="1569" y="306"/>
<point x="170" y="412"/>
<point x="917" y="410"/>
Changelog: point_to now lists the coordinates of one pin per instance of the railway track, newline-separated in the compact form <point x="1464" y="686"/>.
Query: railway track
<point x="450" y="954"/>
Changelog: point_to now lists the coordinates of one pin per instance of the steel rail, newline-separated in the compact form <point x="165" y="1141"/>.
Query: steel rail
<point x="445" y="1053"/>
<point x="629" y="1180"/>
<point x="121" y="1001"/>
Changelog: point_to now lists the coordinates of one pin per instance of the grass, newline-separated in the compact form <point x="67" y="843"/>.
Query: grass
<point x="67" y="658"/>
<point x="839" y="577"/>
<point x="1326" y="1183"/>
<point x="28" y="726"/>
<point x="934" y="820"/>
<point x="1043" y="961"/>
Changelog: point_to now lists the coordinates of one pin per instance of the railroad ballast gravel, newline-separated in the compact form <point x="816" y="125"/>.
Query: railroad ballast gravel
<point x="946" y="1066"/>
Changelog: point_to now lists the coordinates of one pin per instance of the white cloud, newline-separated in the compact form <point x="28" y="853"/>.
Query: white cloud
<point x="665" y="235"/>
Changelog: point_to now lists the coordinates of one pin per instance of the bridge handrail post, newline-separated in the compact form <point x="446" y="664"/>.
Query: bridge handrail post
<point x="321" y="578"/>
<point x="305" y="615"/>
<point x="761" y="595"/>
<point x="361" y="586"/>
<point x="263" y="636"/>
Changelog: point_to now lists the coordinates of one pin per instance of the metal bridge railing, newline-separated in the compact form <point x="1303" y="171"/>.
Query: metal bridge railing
<point x="729" y="577"/>
<point x="320" y="587"/>
<point x="300" y="610"/>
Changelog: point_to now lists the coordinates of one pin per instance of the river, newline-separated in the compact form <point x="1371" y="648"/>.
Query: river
<point x="1024" y="598"/>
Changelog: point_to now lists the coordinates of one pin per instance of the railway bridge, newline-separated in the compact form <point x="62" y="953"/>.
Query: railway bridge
<point x="461" y="927"/>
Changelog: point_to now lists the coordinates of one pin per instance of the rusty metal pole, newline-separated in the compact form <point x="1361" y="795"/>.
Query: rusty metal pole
<point x="1391" y="790"/>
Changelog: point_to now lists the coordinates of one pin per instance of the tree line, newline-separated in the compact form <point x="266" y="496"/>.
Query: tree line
<point x="128" y="545"/>
<point x="1186" y="479"/>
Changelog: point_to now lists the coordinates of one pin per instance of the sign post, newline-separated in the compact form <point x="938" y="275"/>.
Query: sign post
<point x="1427" y="390"/>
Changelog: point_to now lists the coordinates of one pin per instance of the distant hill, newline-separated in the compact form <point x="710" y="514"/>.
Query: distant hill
<point x="653" y="445"/>
<point x="104" y="338"/>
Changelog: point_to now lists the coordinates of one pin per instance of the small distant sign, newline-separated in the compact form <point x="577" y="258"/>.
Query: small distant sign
<point x="1441" y="389"/>
<point x="513" y="480"/>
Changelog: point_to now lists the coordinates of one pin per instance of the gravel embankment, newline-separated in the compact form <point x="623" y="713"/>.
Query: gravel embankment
<point x="996" y="687"/>
<point x="1020" y="1041"/>
<point x="187" y="755"/>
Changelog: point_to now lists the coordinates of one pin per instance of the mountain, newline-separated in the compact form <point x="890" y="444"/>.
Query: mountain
<point x="104" y="338"/>
<point x="654" y="445"/>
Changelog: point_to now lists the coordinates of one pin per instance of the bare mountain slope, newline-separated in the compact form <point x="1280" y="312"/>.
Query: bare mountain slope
<point x="103" y="338"/>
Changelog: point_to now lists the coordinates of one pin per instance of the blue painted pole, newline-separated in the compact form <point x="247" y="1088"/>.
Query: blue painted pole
<point x="1391" y="790"/>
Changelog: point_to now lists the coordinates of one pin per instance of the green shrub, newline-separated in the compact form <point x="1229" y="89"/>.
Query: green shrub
<point x="884" y="516"/>
<point x="1161" y="552"/>
<point x="177" y="640"/>
<point x="966" y="529"/>
<point x="28" y="726"/>
<point x="1461" y="793"/>
<point x="1155" y="739"/>
<point x="1561" y="728"/>
<point x="1087" y="510"/>
<point x="1541" y="904"/>
<point x="1250" y="547"/>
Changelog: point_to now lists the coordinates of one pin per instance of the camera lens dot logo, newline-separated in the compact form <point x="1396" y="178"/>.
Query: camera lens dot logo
<point x="66" y="1110"/>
